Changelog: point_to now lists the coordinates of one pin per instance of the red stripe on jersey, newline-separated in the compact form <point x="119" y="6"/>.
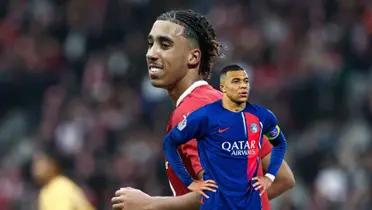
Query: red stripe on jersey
<point x="253" y="130"/>
<point x="265" y="150"/>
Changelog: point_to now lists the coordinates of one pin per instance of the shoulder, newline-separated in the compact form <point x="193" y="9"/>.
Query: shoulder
<point x="209" y="108"/>
<point x="264" y="114"/>
<point x="203" y="112"/>
<point x="207" y="92"/>
<point x="61" y="185"/>
<point x="201" y="96"/>
<point x="197" y="99"/>
<point x="258" y="109"/>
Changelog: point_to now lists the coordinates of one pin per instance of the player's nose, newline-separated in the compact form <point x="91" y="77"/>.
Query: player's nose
<point x="243" y="85"/>
<point x="152" y="54"/>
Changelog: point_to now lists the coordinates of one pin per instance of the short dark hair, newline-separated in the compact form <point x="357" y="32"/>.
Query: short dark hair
<point x="198" y="28"/>
<point x="232" y="67"/>
<point x="61" y="160"/>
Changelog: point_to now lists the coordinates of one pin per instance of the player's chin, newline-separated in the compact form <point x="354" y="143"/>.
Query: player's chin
<point x="158" y="83"/>
<point x="243" y="99"/>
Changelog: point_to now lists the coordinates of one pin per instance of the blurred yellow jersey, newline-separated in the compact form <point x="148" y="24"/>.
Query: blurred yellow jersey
<point x="63" y="194"/>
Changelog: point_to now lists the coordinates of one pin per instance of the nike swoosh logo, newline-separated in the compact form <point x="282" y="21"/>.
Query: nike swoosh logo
<point x="221" y="130"/>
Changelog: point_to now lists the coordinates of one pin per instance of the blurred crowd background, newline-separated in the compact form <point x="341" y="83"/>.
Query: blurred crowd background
<point x="73" y="74"/>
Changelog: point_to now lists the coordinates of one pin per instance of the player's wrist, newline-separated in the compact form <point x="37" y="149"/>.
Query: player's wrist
<point x="270" y="176"/>
<point x="154" y="203"/>
<point x="200" y="174"/>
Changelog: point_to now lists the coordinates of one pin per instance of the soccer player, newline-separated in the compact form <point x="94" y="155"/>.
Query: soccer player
<point x="229" y="134"/>
<point x="58" y="192"/>
<point x="181" y="48"/>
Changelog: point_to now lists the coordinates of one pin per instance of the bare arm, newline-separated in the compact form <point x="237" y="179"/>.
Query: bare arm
<point x="189" y="201"/>
<point x="284" y="179"/>
<point x="134" y="199"/>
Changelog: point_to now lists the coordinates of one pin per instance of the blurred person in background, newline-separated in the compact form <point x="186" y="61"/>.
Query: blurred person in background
<point x="58" y="192"/>
<point x="182" y="47"/>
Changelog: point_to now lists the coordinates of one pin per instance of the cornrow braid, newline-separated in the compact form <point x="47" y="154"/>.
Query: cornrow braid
<point x="198" y="28"/>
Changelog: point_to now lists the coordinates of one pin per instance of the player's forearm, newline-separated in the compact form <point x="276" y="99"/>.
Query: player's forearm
<point x="277" y="155"/>
<point x="284" y="180"/>
<point x="189" y="201"/>
<point x="276" y="189"/>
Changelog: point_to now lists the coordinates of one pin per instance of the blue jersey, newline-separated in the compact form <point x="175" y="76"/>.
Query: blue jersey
<point x="228" y="145"/>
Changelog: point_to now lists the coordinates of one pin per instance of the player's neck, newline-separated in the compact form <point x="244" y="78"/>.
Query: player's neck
<point x="230" y="105"/>
<point x="181" y="86"/>
<point x="48" y="179"/>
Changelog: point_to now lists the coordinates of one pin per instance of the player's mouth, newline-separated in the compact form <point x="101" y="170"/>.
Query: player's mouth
<point x="243" y="94"/>
<point x="155" y="70"/>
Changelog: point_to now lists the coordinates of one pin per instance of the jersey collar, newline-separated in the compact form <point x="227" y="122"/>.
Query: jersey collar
<point x="190" y="89"/>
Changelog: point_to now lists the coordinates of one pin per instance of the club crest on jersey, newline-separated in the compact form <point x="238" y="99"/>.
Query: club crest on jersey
<point x="254" y="128"/>
<point x="182" y="124"/>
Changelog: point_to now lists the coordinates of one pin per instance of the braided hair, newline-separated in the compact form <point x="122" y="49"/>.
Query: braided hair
<point x="199" y="29"/>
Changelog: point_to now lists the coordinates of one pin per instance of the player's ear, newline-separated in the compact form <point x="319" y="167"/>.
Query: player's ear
<point x="222" y="88"/>
<point x="194" y="57"/>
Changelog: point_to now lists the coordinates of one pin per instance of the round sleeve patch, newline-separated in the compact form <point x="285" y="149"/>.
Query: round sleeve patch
<point x="274" y="133"/>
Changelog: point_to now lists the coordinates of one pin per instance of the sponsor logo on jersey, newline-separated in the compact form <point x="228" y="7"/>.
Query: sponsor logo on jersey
<point x="240" y="148"/>
<point x="221" y="130"/>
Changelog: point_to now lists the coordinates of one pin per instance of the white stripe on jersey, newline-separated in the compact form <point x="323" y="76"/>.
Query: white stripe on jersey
<point x="245" y="126"/>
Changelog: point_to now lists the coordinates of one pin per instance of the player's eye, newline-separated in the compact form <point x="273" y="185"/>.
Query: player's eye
<point x="165" y="45"/>
<point x="149" y="44"/>
<point x="235" y="81"/>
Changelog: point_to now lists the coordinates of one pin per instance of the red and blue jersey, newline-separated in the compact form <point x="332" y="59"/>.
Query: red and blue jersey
<point x="199" y="94"/>
<point x="229" y="144"/>
<point x="196" y="96"/>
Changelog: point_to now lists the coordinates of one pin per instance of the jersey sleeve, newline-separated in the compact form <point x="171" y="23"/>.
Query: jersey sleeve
<point x="187" y="129"/>
<point x="272" y="131"/>
<point x="270" y="124"/>
<point x="271" y="127"/>
<point x="189" y="150"/>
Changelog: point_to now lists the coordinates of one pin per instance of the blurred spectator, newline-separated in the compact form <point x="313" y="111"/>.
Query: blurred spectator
<point x="58" y="191"/>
